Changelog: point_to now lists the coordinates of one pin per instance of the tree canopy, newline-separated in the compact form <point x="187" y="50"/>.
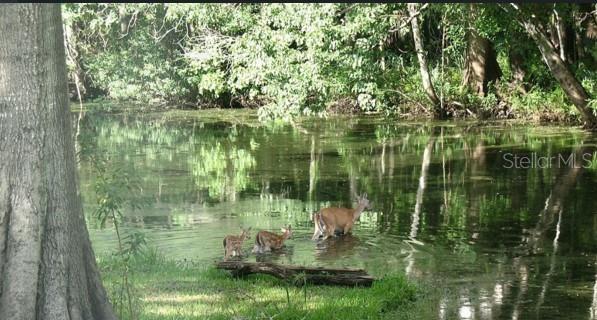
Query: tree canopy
<point x="297" y="59"/>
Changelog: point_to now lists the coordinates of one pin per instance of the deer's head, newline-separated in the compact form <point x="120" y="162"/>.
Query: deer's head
<point x="287" y="232"/>
<point x="245" y="234"/>
<point x="363" y="201"/>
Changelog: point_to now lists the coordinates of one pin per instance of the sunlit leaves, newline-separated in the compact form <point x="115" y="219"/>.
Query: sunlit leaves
<point x="299" y="59"/>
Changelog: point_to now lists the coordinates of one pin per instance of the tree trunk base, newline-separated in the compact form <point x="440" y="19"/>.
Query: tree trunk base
<point x="588" y="126"/>
<point x="300" y="275"/>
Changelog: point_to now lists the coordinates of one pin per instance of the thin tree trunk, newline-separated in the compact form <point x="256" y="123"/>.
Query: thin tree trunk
<point x="47" y="265"/>
<point x="413" y="10"/>
<point x="571" y="86"/>
<point x="579" y="52"/>
<point x="313" y="168"/>
<point x="76" y="75"/>
<point x="441" y="89"/>
<point x="560" y="32"/>
<point x="123" y="19"/>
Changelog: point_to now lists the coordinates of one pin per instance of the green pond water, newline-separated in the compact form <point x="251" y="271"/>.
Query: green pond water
<point x="497" y="242"/>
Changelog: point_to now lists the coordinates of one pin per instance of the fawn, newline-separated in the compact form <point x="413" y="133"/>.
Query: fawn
<point x="267" y="241"/>
<point x="233" y="244"/>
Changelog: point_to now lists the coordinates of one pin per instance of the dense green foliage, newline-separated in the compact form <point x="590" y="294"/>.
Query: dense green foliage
<point x="292" y="59"/>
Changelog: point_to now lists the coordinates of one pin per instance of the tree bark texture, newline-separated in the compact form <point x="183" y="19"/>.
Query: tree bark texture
<point x="312" y="275"/>
<point x="47" y="265"/>
<point x="413" y="9"/>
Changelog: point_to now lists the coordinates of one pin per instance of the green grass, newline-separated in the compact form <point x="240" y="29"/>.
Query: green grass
<point x="165" y="289"/>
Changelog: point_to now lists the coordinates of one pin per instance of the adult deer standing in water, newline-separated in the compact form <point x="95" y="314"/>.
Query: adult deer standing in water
<point x="267" y="241"/>
<point x="233" y="245"/>
<point x="328" y="221"/>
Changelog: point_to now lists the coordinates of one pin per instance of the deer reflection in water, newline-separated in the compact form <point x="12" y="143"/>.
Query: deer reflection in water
<point x="336" y="247"/>
<point x="282" y="255"/>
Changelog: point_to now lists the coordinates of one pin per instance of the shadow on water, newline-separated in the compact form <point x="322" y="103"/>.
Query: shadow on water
<point x="450" y="205"/>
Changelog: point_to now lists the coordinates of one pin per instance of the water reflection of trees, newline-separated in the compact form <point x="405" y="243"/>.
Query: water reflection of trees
<point x="469" y="205"/>
<point x="593" y="309"/>
<point x="525" y="301"/>
<point x="333" y="160"/>
<point x="216" y="157"/>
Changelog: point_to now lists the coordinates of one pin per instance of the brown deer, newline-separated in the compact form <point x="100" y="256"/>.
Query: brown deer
<point x="328" y="221"/>
<point x="267" y="241"/>
<point x="233" y="245"/>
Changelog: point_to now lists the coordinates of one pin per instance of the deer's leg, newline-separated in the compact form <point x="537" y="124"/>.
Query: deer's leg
<point x="348" y="228"/>
<point x="315" y="235"/>
<point x="316" y="218"/>
<point x="318" y="231"/>
<point x="329" y="232"/>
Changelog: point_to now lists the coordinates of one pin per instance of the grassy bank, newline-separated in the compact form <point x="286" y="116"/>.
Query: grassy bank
<point x="166" y="289"/>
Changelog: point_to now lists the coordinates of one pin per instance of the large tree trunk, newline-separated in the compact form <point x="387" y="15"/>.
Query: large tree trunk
<point x="571" y="86"/>
<point x="481" y="61"/>
<point x="413" y="10"/>
<point x="48" y="269"/>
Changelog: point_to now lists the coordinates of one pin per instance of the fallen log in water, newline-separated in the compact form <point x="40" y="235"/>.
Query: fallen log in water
<point x="299" y="274"/>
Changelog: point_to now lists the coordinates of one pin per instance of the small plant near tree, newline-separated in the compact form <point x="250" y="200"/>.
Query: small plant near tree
<point x="110" y="186"/>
